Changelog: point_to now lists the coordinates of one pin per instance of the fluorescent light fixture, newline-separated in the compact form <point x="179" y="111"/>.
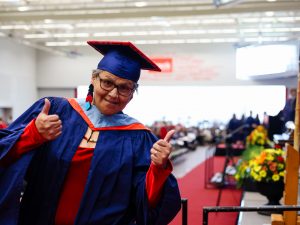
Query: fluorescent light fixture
<point x="71" y="35"/>
<point x="269" y="13"/>
<point x="23" y="8"/>
<point x="103" y="34"/>
<point x="33" y="36"/>
<point x="140" y="4"/>
<point x="225" y="2"/>
<point x="36" y="26"/>
<point x="9" y="0"/>
<point x="48" y="21"/>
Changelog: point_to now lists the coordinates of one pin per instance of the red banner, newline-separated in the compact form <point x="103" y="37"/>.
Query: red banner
<point x="166" y="64"/>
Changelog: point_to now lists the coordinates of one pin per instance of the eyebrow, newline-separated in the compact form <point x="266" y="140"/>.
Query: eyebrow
<point x="129" y="83"/>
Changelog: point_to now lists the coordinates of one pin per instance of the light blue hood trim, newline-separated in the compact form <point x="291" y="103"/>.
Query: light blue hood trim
<point x="100" y="120"/>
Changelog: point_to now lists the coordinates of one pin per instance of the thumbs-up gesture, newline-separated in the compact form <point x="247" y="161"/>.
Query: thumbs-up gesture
<point x="161" y="150"/>
<point x="49" y="126"/>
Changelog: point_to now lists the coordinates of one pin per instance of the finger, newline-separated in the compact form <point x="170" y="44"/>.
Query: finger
<point x="53" y="136"/>
<point x="57" y="134"/>
<point x="56" y="130"/>
<point x="46" y="107"/>
<point x="51" y="125"/>
<point x="53" y="118"/>
<point x="57" y="127"/>
<point x="153" y="151"/>
<point x="169" y="135"/>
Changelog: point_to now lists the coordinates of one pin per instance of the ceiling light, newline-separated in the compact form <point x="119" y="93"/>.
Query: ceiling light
<point x="286" y="19"/>
<point x="23" y="8"/>
<point x="30" y="36"/>
<point x="71" y="35"/>
<point x="65" y="43"/>
<point x="269" y="13"/>
<point x="48" y="21"/>
<point x="140" y="4"/>
<point x="295" y="29"/>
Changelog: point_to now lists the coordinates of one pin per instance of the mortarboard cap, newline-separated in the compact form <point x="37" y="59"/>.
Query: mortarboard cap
<point x="122" y="59"/>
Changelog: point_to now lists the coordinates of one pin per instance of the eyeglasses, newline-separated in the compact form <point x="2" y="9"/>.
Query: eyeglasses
<point x="123" y="89"/>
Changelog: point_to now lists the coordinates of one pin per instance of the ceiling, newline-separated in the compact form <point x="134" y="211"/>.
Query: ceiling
<point x="65" y="25"/>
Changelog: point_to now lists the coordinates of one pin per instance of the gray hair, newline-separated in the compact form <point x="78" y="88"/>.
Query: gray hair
<point x="96" y="72"/>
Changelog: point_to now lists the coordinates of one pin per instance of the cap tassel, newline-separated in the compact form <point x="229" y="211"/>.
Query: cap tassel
<point x="89" y="98"/>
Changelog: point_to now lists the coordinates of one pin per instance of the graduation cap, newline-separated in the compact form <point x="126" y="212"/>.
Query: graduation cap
<point x="123" y="59"/>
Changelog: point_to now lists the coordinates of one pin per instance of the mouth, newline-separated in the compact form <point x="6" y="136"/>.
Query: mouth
<point x="112" y="102"/>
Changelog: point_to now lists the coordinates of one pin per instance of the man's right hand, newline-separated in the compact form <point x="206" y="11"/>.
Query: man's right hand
<point x="49" y="126"/>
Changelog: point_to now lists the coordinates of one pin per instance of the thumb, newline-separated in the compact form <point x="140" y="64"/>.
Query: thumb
<point x="169" y="135"/>
<point x="46" y="107"/>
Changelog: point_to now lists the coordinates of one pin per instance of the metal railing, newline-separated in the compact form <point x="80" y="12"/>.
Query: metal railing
<point x="184" y="209"/>
<point x="274" y="208"/>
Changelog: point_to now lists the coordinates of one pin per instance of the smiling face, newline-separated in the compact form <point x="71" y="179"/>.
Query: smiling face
<point x="106" y="92"/>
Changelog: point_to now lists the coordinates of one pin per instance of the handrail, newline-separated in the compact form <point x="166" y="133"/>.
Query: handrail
<point x="274" y="208"/>
<point x="184" y="211"/>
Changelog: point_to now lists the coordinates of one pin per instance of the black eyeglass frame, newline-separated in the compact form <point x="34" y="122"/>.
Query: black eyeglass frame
<point x="117" y="86"/>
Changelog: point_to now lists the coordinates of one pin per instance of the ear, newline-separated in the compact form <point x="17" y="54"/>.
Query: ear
<point x="93" y="80"/>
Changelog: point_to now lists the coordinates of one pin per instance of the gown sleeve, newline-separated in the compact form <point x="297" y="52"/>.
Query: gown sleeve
<point x="12" y="176"/>
<point x="169" y="201"/>
<point x="30" y="139"/>
<point x="155" y="179"/>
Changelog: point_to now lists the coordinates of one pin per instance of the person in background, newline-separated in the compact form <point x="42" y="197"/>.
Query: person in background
<point x="84" y="161"/>
<point x="2" y="123"/>
<point x="250" y="124"/>
<point x="232" y="126"/>
<point x="256" y="120"/>
<point x="290" y="105"/>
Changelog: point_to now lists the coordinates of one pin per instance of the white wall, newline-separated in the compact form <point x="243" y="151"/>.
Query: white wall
<point x="17" y="76"/>
<point x="58" y="92"/>
<point x="193" y="64"/>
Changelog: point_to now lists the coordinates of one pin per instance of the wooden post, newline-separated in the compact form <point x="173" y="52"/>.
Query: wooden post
<point x="291" y="184"/>
<point x="292" y="167"/>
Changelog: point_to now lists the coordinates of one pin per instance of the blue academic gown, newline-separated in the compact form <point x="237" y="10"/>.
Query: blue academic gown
<point x="115" y="189"/>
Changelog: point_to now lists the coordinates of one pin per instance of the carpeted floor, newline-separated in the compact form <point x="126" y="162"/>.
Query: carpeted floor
<point x="192" y="187"/>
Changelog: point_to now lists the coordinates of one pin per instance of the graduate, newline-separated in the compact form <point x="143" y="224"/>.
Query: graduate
<point x="85" y="162"/>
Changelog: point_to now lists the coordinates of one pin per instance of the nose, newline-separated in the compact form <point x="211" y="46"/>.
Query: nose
<point x="114" y="92"/>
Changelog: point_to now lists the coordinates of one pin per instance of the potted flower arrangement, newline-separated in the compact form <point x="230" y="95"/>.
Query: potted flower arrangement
<point x="256" y="142"/>
<point x="258" y="137"/>
<point x="269" y="166"/>
<point x="267" y="171"/>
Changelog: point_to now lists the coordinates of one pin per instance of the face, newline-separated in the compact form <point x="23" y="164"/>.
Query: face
<point x="110" y="102"/>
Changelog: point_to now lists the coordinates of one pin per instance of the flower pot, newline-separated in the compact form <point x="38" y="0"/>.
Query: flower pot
<point x="273" y="191"/>
<point x="249" y="185"/>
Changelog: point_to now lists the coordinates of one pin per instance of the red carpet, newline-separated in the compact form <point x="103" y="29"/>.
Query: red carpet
<point x="192" y="187"/>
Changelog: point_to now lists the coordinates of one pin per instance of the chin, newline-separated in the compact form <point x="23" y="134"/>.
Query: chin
<point x="109" y="112"/>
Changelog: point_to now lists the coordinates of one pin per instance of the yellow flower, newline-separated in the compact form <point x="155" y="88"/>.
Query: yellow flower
<point x="257" y="168"/>
<point x="263" y="173"/>
<point x="280" y="166"/>
<point x="275" y="177"/>
<point x="258" y="136"/>
<point x="281" y="173"/>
